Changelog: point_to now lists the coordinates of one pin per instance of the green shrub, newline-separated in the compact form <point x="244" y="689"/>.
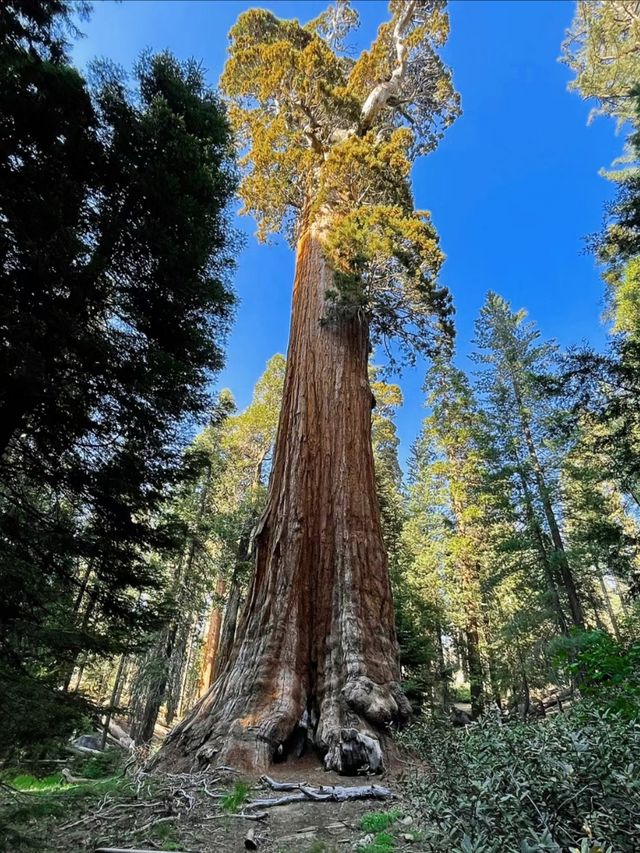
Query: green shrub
<point x="606" y="671"/>
<point x="461" y="693"/>
<point x="37" y="717"/>
<point x="567" y="782"/>
<point x="106" y="764"/>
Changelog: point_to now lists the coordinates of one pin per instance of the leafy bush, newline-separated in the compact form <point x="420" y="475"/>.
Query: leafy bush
<point x="103" y="765"/>
<point x="461" y="693"/>
<point x="564" y="783"/>
<point x="607" y="672"/>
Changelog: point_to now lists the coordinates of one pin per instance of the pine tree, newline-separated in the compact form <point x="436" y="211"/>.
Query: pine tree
<point x="601" y="47"/>
<point x="115" y="255"/>
<point x="516" y="364"/>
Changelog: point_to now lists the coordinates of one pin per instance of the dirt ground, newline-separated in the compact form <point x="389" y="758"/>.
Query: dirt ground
<point x="301" y="827"/>
<point x="191" y="813"/>
<point x="326" y="827"/>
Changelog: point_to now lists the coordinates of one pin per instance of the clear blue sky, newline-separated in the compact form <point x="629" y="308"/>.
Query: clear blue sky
<point x="513" y="188"/>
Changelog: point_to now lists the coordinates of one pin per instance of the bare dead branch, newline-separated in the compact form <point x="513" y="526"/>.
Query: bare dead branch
<point x="380" y="95"/>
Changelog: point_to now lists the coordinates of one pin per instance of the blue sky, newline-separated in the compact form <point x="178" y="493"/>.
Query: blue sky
<point x="514" y="187"/>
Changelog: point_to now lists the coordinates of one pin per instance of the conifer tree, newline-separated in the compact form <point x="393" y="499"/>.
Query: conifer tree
<point x="512" y="381"/>
<point x="329" y="144"/>
<point x="602" y="47"/>
<point x="115" y="255"/>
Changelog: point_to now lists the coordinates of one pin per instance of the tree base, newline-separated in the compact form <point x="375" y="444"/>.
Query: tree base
<point x="347" y="742"/>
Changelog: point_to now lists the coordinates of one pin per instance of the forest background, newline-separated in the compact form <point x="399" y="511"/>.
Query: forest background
<point x="514" y="525"/>
<point x="514" y="185"/>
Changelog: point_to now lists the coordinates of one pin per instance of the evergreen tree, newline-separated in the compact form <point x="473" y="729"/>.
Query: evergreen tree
<point x="514" y="389"/>
<point x="115" y="254"/>
<point x="601" y="47"/>
<point x="329" y="144"/>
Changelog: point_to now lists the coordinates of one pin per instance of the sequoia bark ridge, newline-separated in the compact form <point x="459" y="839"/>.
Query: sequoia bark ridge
<point x="316" y="656"/>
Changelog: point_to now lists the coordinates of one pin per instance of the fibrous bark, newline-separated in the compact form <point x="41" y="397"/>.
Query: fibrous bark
<point x="316" y="651"/>
<point x="212" y="644"/>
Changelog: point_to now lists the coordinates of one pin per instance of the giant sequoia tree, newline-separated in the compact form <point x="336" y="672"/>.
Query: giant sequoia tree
<point x="329" y="145"/>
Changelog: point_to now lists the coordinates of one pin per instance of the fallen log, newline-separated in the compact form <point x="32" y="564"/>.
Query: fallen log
<point x="127" y="850"/>
<point x="320" y="793"/>
<point x="70" y="779"/>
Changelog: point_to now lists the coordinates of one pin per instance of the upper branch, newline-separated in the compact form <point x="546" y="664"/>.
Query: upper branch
<point x="383" y="92"/>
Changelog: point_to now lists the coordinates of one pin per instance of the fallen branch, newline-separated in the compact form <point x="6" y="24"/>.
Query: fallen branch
<point x="250" y="840"/>
<point x="256" y="816"/>
<point x="276" y="801"/>
<point x="102" y="813"/>
<point x="68" y="777"/>
<point x="154" y="822"/>
<point x="125" y="850"/>
<point x="5" y="786"/>
<point x="281" y="786"/>
<point x="321" y="793"/>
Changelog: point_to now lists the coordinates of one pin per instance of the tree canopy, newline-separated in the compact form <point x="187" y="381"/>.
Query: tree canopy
<point x="330" y="138"/>
<point x="602" y="47"/>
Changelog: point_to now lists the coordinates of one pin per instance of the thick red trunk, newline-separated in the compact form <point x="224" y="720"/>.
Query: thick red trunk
<point x="316" y="651"/>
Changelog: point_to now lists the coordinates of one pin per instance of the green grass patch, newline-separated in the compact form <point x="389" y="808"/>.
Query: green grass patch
<point x="31" y="813"/>
<point x="379" y="821"/>
<point x="383" y="842"/>
<point x="235" y="798"/>
<point x="25" y="782"/>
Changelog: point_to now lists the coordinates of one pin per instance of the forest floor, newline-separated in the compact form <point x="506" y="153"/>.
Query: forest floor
<point x="199" y="813"/>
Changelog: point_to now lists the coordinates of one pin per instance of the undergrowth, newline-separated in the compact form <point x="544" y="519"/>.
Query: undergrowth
<point x="383" y="842"/>
<point x="570" y="782"/>
<point x="378" y="823"/>
<point x="29" y="804"/>
<point x="232" y="801"/>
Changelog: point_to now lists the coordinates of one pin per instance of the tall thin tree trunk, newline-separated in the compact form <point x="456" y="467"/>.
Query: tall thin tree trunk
<point x="621" y="595"/>
<point x="568" y="581"/>
<point x="491" y="661"/>
<point x="178" y="666"/>
<point x="595" y="607"/>
<point x="443" y="678"/>
<point x="474" y="662"/>
<point x="229" y="627"/>
<point x="607" y="603"/>
<point x="544" y="557"/>
<point x="186" y="696"/>
<point x="212" y="645"/>
<point x="234" y="597"/>
<point x="112" y="702"/>
<point x="316" y="644"/>
<point x="80" y="661"/>
<point x="526" y="693"/>
<point x="144" y="724"/>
